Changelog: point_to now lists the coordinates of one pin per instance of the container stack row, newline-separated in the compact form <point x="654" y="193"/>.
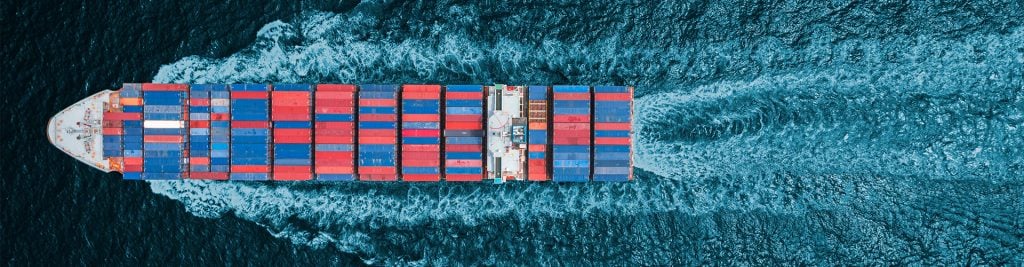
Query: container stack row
<point x="199" y="131"/>
<point x="537" y="135"/>
<point x="571" y="134"/>
<point x="464" y="133"/>
<point x="164" y="132"/>
<point x="421" y="133"/>
<point x="293" y="131"/>
<point x="220" y="132"/>
<point x="613" y="106"/>
<point x="250" y="132"/>
<point x="113" y="129"/>
<point x="335" y="132"/>
<point x="378" y="132"/>
<point x="130" y="99"/>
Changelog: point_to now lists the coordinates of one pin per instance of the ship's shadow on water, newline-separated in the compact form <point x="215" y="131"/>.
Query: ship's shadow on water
<point x="858" y="135"/>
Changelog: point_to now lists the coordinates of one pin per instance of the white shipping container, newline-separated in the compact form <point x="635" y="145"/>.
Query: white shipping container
<point x="163" y="124"/>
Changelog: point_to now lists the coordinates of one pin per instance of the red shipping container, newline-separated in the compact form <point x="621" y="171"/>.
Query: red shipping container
<point x="564" y="126"/>
<point x="421" y="117"/>
<point x="378" y="140"/>
<point x="334" y="125"/>
<point x="421" y="162"/>
<point x="334" y="169"/>
<point x="120" y="116"/>
<point x="220" y="117"/>
<point x="113" y="131"/>
<point x="334" y="132"/>
<point x="292" y="132"/>
<point x="463" y="148"/>
<point x="249" y="95"/>
<point x="333" y="155"/>
<point x="250" y="168"/>
<point x="467" y="118"/>
<point x="370" y="102"/>
<point x="292" y="176"/>
<point x="291" y="117"/>
<point x="292" y="169"/>
<point x="421" y="147"/>
<point x="463" y="163"/>
<point x="421" y="133"/>
<point x="378" y="117"/>
<point x="618" y="126"/>
<point x="571" y="96"/>
<point x="132" y="161"/>
<point x="335" y="110"/>
<point x="199" y="101"/>
<point x="377" y="170"/>
<point x="334" y="95"/>
<point x="377" y="133"/>
<point x="421" y="88"/>
<point x="209" y="175"/>
<point x="335" y="102"/>
<point x="450" y="125"/>
<point x="611" y="141"/>
<point x="291" y="95"/>
<point x="463" y="177"/>
<point x="334" y="139"/>
<point x="163" y="138"/>
<point x="199" y="124"/>
<point x="199" y="160"/>
<point x="286" y="110"/>
<point x="464" y="95"/>
<point x="537" y="177"/>
<point x="414" y="95"/>
<point x="250" y="124"/>
<point x="570" y="141"/>
<point x="421" y="177"/>
<point x="131" y="167"/>
<point x="378" y="177"/>
<point x="335" y="87"/>
<point x="571" y="118"/>
<point x="571" y="133"/>
<point x="164" y="87"/>
<point x="613" y="97"/>
<point x="293" y="139"/>
<point x="537" y="148"/>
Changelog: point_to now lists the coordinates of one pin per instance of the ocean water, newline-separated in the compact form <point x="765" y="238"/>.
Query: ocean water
<point x="767" y="133"/>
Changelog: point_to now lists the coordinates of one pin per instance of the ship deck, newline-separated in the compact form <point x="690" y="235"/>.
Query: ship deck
<point x="77" y="130"/>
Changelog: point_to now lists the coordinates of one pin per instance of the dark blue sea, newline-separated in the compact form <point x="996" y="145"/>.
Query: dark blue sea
<point x="768" y="133"/>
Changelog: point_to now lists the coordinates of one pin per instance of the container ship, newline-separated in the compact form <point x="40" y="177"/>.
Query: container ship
<point x="344" y="132"/>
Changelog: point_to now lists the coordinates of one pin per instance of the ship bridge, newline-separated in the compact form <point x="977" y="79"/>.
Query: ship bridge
<point x="78" y="130"/>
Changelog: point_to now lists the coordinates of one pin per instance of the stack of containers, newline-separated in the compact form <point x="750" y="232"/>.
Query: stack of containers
<point x="612" y="124"/>
<point x="250" y="132"/>
<point x="421" y="133"/>
<point x="163" y="131"/>
<point x="220" y="131"/>
<point x="571" y="134"/>
<point x="199" y="131"/>
<point x="538" y="133"/>
<point x="293" y="131"/>
<point x="464" y="133"/>
<point x="335" y="132"/>
<point x="378" y="133"/>
<point x="131" y="105"/>
<point x="113" y="129"/>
